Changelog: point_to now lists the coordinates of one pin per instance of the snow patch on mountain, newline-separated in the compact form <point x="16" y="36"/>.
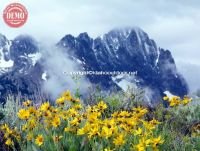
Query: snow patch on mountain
<point x="138" y="36"/>
<point x="44" y="76"/>
<point x="5" y="62"/>
<point x="35" y="57"/>
<point x="168" y="94"/>
<point x="124" y="81"/>
<point x="158" y="55"/>
<point x="147" y="48"/>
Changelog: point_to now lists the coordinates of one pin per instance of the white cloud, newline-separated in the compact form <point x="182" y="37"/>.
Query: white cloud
<point x="56" y="63"/>
<point x="174" y="25"/>
<point x="191" y="72"/>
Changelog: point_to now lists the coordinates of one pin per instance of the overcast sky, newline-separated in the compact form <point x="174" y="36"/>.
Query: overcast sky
<point x="173" y="24"/>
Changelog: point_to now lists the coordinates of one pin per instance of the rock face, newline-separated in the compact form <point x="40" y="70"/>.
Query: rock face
<point x="129" y="50"/>
<point x="20" y="71"/>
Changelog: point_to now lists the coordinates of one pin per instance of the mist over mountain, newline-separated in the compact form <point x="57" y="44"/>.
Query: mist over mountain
<point x="27" y="67"/>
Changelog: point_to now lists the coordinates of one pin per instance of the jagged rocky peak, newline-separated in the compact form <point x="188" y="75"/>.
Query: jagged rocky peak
<point x="125" y="33"/>
<point x="25" y="53"/>
<point x="116" y="35"/>
<point x="84" y="36"/>
<point x="23" y="45"/>
<point x="67" y="41"/>
<point x="122" y="44"/>
<point x="127" y="49"/>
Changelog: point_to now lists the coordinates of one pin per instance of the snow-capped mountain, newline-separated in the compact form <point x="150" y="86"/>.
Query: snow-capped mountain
<point x="129" y="50"/>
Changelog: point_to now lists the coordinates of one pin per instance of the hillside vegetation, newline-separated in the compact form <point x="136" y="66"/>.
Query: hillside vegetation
<point x="119" y="122"/>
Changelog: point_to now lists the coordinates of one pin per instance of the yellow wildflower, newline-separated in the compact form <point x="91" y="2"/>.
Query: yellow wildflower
<point x="39" y="140"/>
<point x="124" y="114"/>
<point x="106" y="132"/>
<point x="149" y="125"/>
<point x="154" y="122"/>
<point x="24" y="127"/>
<point x="138" y="131"/>
<point x="45" y="106"/>
<point x="67" y="95"/>
<point x="32" y="123"/>
<point x="67" y="129"/>
<point x="174" y="101"/>
<point x="75" y="100"/>
<point x="115" y="114"/>
<point x="156" y="141"/>
<point x="56" y="121"/>
<point x="27" y="103"/>
<point x="165" y="98"/>
<point x="75" y="122"/>
<point x="186" y="100"/>
<point x="81" y="131"/>
<point x="101" y="106"/>
<point x="93" y="117"/>
<point x="4" y="127"/>
<point x="72" y="112"/>
<point x="23" y="114"/>
<point x="60" y="101"/>
<point x="140" y="111"/>
<point x="77" y="106"/>
<point x="143" y="143"/>
<point x="9" y="142"/>
<point x="140" y="147"/>
<point x="119" y="140"/>
<point x="47" y="114"/>
<point x="94" y="131"/>
<point x="32" y="110"/>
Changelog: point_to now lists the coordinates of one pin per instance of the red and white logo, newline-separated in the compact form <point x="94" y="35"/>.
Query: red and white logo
<point x="15" y="15"/>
